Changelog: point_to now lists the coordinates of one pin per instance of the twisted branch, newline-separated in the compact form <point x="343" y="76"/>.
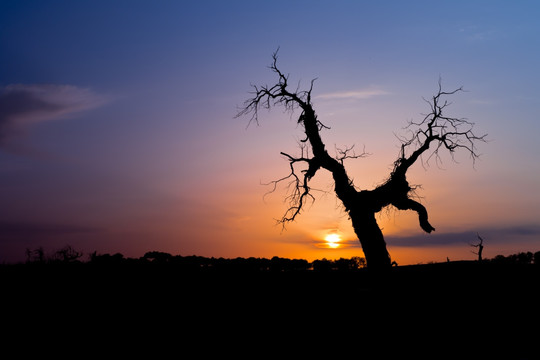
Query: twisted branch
<point x="299" y="191"/>
<point x="445" y="132"/>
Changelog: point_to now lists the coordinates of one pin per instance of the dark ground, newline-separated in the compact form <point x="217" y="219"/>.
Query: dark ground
<point x="450" y="310"/>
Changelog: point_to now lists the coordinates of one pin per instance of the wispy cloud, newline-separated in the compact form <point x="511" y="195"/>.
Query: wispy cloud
<point x="481" y="102"/>
<point x="27" y="230"/>
<point x="22" y="105"/>
<point x="425" y="240"/>
<point x="353" y="94"/>
<point x="494" y="235"/>
<point x="476" y="33"/>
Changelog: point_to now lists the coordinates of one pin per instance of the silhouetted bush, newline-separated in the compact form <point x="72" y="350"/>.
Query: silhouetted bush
<point x="284" y="264"/>
<point x="519" y="258"/>
<point x="157" y="256"/>
<point x="322" y="265"/>
<point x="36" y="255"/>
<point x="108" y="259"/>
<point x="536" y="258"/>
<point x="67" y="254"/>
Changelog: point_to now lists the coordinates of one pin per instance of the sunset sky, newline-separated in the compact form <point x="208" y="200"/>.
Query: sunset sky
<point x="117" y="127"/>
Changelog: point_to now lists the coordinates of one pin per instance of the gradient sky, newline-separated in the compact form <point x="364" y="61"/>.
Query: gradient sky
<point x="117" y="128"/>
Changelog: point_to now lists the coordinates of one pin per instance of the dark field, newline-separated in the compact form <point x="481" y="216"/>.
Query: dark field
<point x="447" y="310"/>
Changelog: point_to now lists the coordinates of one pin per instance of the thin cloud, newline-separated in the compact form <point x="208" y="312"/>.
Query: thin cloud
<point x="321" y="243"/>
<point x="22" y="105"/>
<point x="425" y="240"/>
<point x="475" y="33"/>
<point x="31" y="230"/>
<point x="493" y="235"/>
<point x="353" y="95"/>
<point x="343" y="243"/>
<point x="481" y="102"/>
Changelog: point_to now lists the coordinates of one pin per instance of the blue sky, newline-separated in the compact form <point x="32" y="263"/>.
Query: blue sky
<point x="117" y="129"/>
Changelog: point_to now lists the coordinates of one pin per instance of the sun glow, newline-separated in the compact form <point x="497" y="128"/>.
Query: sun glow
<point x="333" y="240"/>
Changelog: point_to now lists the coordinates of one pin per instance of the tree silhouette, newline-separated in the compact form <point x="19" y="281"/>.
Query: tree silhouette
<point x="66" y="254"/>
<point x="479" y="246"/>
<point x="435" y="133"/>
<point x="37" y="255"/>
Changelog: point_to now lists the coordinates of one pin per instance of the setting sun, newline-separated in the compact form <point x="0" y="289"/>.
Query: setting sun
<point x="333" y="240"/>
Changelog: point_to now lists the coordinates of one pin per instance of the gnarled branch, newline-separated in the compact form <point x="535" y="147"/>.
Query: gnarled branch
<point x="298" y="189"/>
<point x="349" y="153"/>
<point x="278" y="94"/>
<point x="445" y="132"/>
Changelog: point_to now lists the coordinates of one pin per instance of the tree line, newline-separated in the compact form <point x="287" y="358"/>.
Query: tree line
<point x="519" y="258"/>
<point x="68" y="254"/>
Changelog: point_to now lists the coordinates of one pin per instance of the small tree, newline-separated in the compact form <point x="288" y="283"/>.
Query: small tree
<point x="36" y="255"/>
<point x="479" y="246"/>
<point x="67" y="254"/>
<point x="436" y="132"/>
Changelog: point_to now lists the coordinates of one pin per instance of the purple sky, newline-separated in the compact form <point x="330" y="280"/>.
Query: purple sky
<point x="117" y="129"/>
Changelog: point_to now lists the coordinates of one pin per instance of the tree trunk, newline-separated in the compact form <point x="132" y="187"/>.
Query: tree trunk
<point x="371" y="238"/>
<point x="480" y="248"/>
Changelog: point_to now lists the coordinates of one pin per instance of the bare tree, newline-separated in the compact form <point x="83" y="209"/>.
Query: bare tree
<point x="66" y="254"/>
<point x="479" y="246"/>
<point x="36" y="255"/>
<point x="435" y="133"/>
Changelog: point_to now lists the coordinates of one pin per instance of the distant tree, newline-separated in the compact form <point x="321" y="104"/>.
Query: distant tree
<point x="436" y="132"/>
<point x="284" y="264"/>
<point x="359" y="261"/>
<point x="525" y="257"/>
<point x="519" y="258"/>
<point x="299" y="264"/>
<point x="343" y="264"/>
<point x="354" y="263"/>
<point x="36" y="255"/>
<point x="479" y="246"/>
<point x="109" y="259"/>
<point x="66" y="254"/>
<point x="157" y="256"/>
<point x="499" y="259"/>
<point x="536" y="258"/>
<point x="322" y="265"/>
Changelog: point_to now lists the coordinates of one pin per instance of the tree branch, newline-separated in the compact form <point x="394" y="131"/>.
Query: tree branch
<point x="266" y="96"/>
<point x="349" y="153"/>
<point x="298" y="188"/>
<point x="410" y="204"/>
<point x="446" y="132"/>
